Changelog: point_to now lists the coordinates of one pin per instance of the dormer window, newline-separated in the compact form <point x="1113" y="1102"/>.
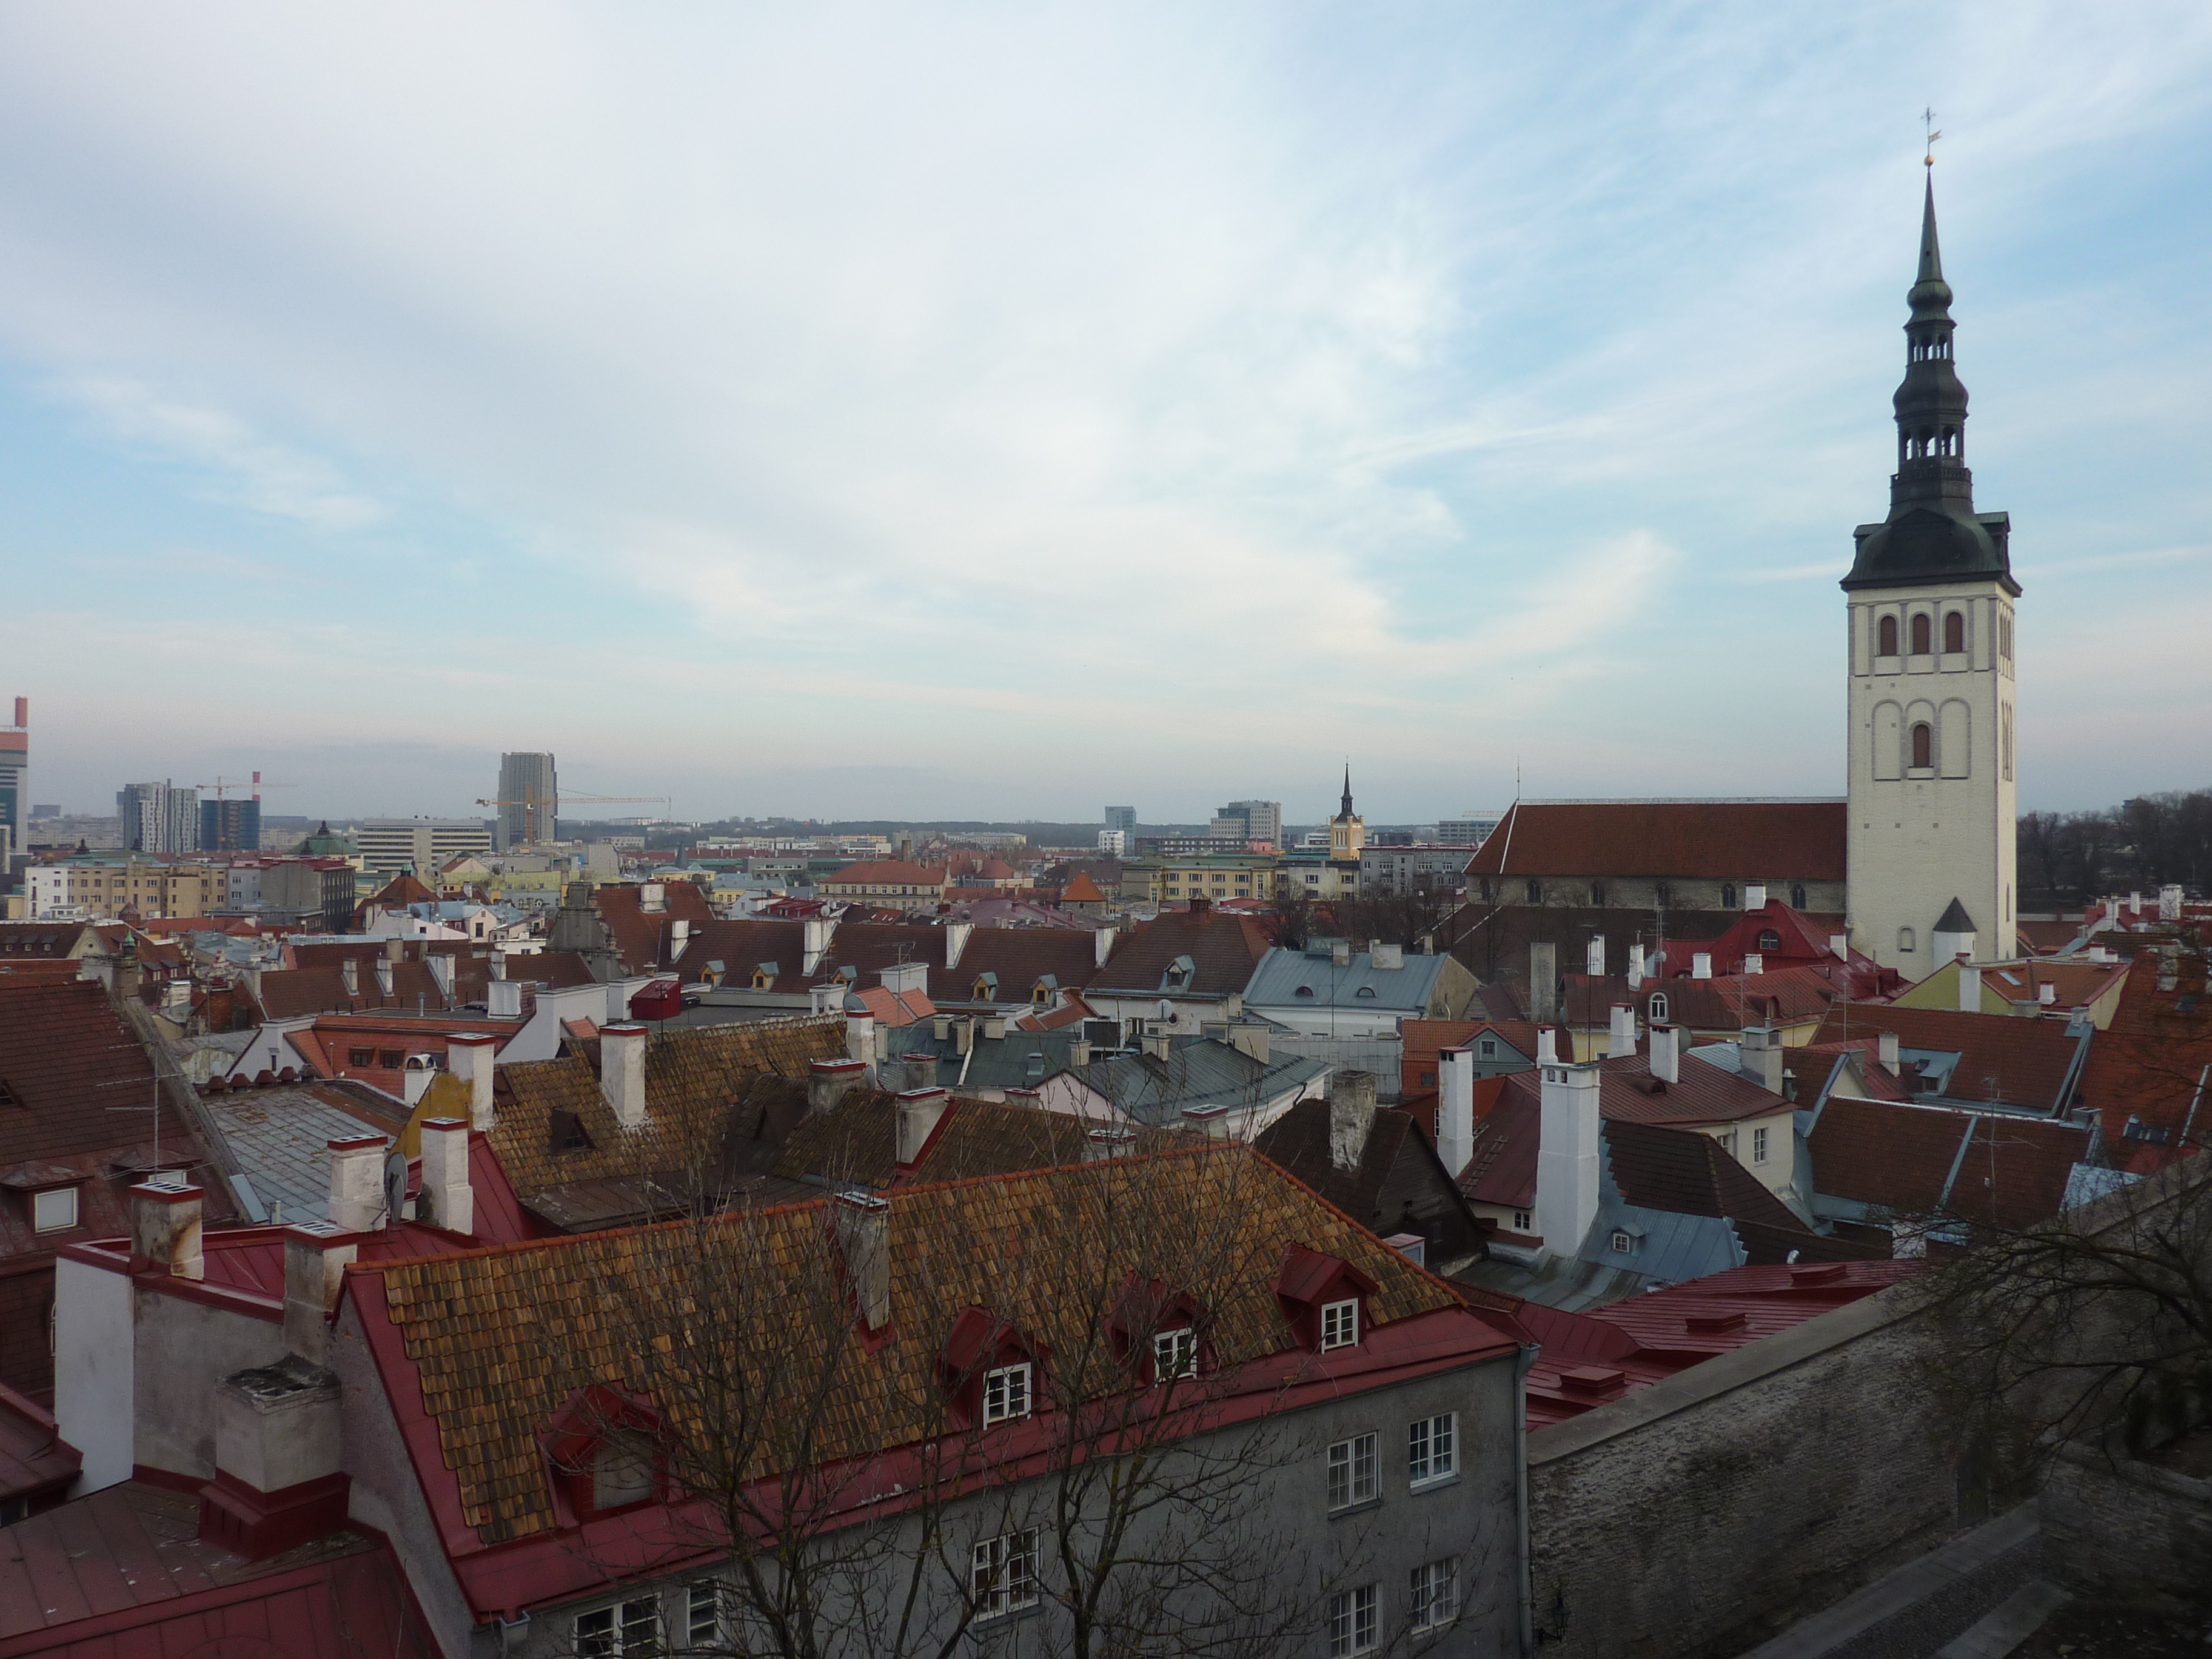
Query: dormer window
<point x="1622" y="1243"/>
<point x="1658" y="1006"/>
<point x="607" y="1451"/>
<point x="622" y="1471"/>
<point x="1770" y="940"/>
<point x="1320" y="1298"/>
<point x="1174" y="1355"/>
<point x="1367" y="991"/>
<point x="54" y="1210"/>
<point x="1304" y="991"/>
<point x="1179" y="975"/>
<point x="764" y="975"/>
<point x="986" y="988"/>
<point x="1340" y="1324"/>
<point x="1006" y="1393"/>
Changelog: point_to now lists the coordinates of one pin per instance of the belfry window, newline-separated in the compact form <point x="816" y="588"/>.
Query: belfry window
<point x="1923" y="745"/>
<point x="1921" y="642"/>
<point x="1954" y="630"/>
<point x="1886" y="635"/>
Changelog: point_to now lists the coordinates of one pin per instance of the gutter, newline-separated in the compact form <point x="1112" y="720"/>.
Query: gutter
<point x="1530" y="1352"/>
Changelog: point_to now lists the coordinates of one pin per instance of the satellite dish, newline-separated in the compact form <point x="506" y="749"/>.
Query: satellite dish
<point x="395" y="1186"/>
<point x="1167" y="1009"/>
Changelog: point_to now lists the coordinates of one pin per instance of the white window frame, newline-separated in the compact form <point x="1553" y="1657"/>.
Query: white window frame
<point x="1758" y="1145"/>
<point x="1002" y="1573"/>
<point x="1623" y="1244"/>
<point x="1174" y="1354"/>
<point x="1340" y="1324"/>
<point x="631" y="1626"/>
<point x="702" y="1613"/>
<point x="54" y="1210"/>
<point x="1432" y="1595"/>
<point x="1523" y="1221"/>
<point x="1352" y="1475"/>
<point x="1433" y="1448"/>
<point x="1353" y="1622"/>
<point x="1007" y="1393"/>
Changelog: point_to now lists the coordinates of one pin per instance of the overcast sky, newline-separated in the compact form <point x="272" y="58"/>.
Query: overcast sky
<point x="960" y="410"/>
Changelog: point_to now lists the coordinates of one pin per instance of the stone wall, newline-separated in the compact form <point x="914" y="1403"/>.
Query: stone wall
<point x="1701" y="1515"/>
<point x="2129" y="1531"/>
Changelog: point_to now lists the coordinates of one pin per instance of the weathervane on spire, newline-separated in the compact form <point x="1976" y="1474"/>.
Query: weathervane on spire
<point x="1928" y="121"/>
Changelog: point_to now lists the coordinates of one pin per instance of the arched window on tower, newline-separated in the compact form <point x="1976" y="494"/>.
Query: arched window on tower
<point x="1886" y="635"/>
<point x="1954" y="630"/>
<point x="1797" y="896"/>
<point x="1923" y="745"/>
<point x="1920" y="635"/>
<point x="1727" y="895"/>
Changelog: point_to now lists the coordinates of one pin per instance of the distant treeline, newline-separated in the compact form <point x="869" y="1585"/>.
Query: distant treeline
<point x="2140" y="845"/>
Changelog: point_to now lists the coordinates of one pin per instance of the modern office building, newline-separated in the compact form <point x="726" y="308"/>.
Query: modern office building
<point x="529" y="797"/>
<point x="1250" y="820"/>
<point x="159" y="817"/>
<point x="230" y="825"/>
<point x="1469" y="829"/>
<point x="1123" y="818"/>
<point x="423" y="845"/>
<point x="14" y="780"/>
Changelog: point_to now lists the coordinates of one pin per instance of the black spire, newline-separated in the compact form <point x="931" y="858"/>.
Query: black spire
<point x="1346" y="813"/>
<point x="1933" y="533"/>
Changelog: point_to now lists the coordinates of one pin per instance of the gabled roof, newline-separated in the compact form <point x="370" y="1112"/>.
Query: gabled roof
<point x="2029" y="1062"/>
<point x="1311" y="978"/>
<point x="1081" y="890"/>
<point x="1701" y="1093"/>
<point x="1719" y="840"/>
<point x="1198" y="1072"/>
<point x="1424" y="1039"/>
<point x="642" y="938"/>
<point x="1395" y="1147"/>
<point x="1685" y="1173"/>
<point x="52" y="940"/>
<point x="1223" y="950"/>
<point x="1020" y="957"/>
<point x="2151" y="1064"/>
<point x="1907" y="1161"/>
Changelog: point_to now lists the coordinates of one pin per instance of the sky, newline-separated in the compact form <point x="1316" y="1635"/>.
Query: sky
<point x="995" y="412"/>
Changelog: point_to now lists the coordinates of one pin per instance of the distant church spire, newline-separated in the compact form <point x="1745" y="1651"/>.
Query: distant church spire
<point x="1932" y="532"/>
<point x="1347" y="813"/>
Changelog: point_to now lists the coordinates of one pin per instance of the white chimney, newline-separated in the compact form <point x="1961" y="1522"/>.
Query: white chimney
<point x="1886" y="1050"/>
<point x="622" y="1072"/>
<point x="384" y="966"/>
<point x="1350" y="1116"/>
<point x="904" y="976"/>
<point x="395" y="949"/>
<point x="1970" y="989"/>
<point x="863" y="1225"/>
<point x="315" y="1257"/>
<point x="445" y="1199"/>
<point x="814" y="945"/>
<point x="350" y="972"/>
<point x="503" y="998"/>
<point x="1754" y="897"/>
<point x="356" y="1200"/>
<point x="164" y="1231"/>
<point x="1759" y="1053"/>
<point x="1595" y="959"/>
<point x="1383" y="958"/>
<point x="680" y="938"/>
<point x="2047" y="995"/>
<point x="1753" y="962"/>
<point x="1567" y="1155"/>
<point x="1621" y="1041"/>
<point x="1454" y="1109"/>
<point x="1701" y="964"/>
<point x="1548" y="1045"/>
<point x="1101" y="945"/>
<point x="828" y="1081"/>
<point x="920" y="1112"/>
<point x="860" y="1038"/>
<point x="470" y="1057"/>
<point x="497" y="965"/>
<point x="653" y="896"/>
<point x="442" y="969"/>
<point x="956" y="941"/>
<point x="1841" y="945"/>
<point x="1635" y="966"/>
<point x="2169" y="904"/>
<point x="1666" y="1052"/>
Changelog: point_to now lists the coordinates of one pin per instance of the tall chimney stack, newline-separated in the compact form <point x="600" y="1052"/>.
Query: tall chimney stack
<point x="1666" y="1052"/>
<point x="1567" y="1157"/>
<point x="622" y="1072"/>
<point x="470" y="1056"/>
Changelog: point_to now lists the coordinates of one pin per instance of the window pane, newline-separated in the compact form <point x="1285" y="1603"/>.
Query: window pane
<point x="53" y="1210"/>
<point x="703" y="1613"/>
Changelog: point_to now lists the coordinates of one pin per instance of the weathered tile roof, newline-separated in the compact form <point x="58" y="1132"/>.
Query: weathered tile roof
<point x="1685" y="1173"/>
<point x="467" y="1322"/>
<point x="2028" y="1062"/>
<point x="2150" y="1064"/>
<point x="1396" y="1158"/>
<point x="1702" y="1092"/>
<point x="1223" y="950"/>
<point x="1910" y="1161"/>
<point x="1020" y="957"/>
<point x="856" y="1144"/>
<point x="693" y="1076"/>
<point x="1424" y="1039"/>
<point x="1721" y="840"/>
<point x="643" y="939"/>
<point x="58" y="940"/>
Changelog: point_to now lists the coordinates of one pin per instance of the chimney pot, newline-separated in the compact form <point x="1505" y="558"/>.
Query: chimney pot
<point x="828" y="1081"/>
<point x="622" y="1072"/>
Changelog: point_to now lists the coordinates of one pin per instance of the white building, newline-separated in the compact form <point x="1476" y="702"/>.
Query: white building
<point x="388" y="845"/>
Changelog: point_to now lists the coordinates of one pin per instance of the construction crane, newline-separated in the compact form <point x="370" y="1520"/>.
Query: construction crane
<point x="221" y="784"/>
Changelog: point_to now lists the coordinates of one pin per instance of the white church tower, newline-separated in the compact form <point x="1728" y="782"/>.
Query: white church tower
<point x="1932" y="599"/>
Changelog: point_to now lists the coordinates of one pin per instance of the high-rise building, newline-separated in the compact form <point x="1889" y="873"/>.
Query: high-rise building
<point x="1123" y="818"/>
<point x="529" y="798"/>
<point x="1930" y="608"/>
<point x="230" y="825"/>
<point x="1250" y="820"/>
<point x="159" y="817"/>
<point x="14" y="780"/>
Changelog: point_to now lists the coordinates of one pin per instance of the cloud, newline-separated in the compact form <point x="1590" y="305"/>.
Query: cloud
<point x="264" y="476"/>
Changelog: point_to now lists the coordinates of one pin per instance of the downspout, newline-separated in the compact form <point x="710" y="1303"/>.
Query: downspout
<point x="1530" y="1352"/>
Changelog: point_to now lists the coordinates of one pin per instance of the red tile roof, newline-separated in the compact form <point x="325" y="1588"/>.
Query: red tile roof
<point x="1989" y="1167"/>
<point x="2151" y="1064"/>
<point x="1423" y="1039"/>
<point x="35" y="1462"/>
<point x="884" y="872"/>
<point x="1223" y="950"/>
<point x="1081" y="890"/>
<point x="642" y="938"/>
<point x="2030" y="1061"/>
<point x="1729" y="841"/>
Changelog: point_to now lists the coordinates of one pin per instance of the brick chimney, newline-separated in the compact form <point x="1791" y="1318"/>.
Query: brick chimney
<point x="445" y="1199"/>
<point x="470" y="1056"/>
<point x="863" y="1225"/>
<point x="622" y="1072"/>
<point x="1667" y="1052"/>
<point x="828" y="1081"/>
<point x="920" y="1112"/>
<point x="164" y="1231"/>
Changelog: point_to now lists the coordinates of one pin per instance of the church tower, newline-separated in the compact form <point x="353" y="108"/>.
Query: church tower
<point x="1930" y="600"/>
<point x="1347" y="831"/>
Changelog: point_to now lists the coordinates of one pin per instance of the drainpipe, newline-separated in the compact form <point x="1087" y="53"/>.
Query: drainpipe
<point x="1522" y="1365"/>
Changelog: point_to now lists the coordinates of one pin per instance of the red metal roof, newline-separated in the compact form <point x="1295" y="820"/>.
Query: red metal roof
<point x="2028" y="1062"/>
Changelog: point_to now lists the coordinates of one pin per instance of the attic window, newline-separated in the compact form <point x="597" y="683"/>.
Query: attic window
<point x="1179" y="973"/>
<point x="1040" y="993"/>
<point x="54" y="1210"/>
<point x="1489" y="1047"/>
<point x="1340" y="1324"/>
<point x="1006" y="1393"/>
<point x="1364" y="991"/>
<point x="622" y="1470"/>
<point x="361" y="1056"/>
<point x="1770" y="940"/>
<point x="1305" y="990"/>
<point x="1174" y="1354"/>
<point x="1622" y="1243"/>
<point x="1658" y="1006"/>
<point x="566" y="1133"/>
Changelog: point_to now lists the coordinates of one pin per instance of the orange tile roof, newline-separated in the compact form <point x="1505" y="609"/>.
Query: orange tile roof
<point x="1729" y="841"/>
